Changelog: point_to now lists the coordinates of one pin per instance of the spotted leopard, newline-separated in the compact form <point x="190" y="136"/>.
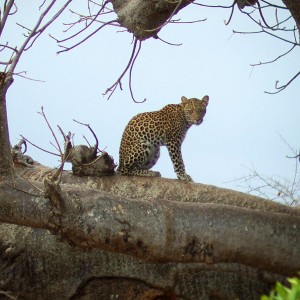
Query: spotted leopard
<point x="146" y="132"/>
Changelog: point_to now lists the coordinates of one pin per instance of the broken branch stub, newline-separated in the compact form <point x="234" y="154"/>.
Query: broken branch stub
<point x="145" y="18"/>
<point x="102" y="165"/>
<point x="85" y="161"/>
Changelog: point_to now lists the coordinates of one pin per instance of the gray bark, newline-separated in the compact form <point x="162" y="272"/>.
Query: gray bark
<point x="6" y="162"/>
<point x="138" y="238"/>
<point x="34" y="264"/>
<point x="145" y="18"/>
<point x="177" y="243"/>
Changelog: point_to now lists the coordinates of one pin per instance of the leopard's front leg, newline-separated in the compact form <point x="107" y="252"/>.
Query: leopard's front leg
<point x="178" y="164"/>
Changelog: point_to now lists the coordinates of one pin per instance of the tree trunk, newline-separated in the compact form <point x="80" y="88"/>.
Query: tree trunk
<point x="6" y="162"/>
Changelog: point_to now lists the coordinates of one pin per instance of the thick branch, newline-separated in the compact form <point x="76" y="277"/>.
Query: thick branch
<point x="179" y="232"/>
<point x="6" y="163"/>
<point x="147" y="188"/>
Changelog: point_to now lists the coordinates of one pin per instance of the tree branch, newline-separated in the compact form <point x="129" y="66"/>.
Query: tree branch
<point x="180" y="232"/>
<point x="133" y="56"/>
<point x="36" y="32"/>
<point x="284" y="86"/>
<point x="7" y="11"/>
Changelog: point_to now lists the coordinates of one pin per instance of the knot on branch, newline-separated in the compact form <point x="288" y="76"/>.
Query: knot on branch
<point x="19" y="158"/>
<point x="243" y="3"/>
<point x="145" y="18"/>
<point x="5" y="80"/>
<point x="200" y="251"/>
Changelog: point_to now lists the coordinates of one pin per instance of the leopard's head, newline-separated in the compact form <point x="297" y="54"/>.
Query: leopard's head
<point x="194" y="109"/>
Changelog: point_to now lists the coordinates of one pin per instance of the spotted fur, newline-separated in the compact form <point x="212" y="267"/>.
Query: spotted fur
<point x="146" y="132"/>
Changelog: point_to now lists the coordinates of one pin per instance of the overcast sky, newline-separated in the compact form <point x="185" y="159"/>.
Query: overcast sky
<point x="241" y="129"/>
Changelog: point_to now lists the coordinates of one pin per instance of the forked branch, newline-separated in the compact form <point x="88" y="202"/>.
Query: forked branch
<point x="280" y="88"/>
<point x="134" y="55"/>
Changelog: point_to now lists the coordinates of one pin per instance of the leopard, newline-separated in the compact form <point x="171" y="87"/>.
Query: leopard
<point x="147" y="132"/>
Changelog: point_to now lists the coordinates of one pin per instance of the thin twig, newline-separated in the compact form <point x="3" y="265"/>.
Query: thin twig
<point x="277" y="58"/>
<point x="87" y="26"/>
<point x="130" y="74"/>
<point x="37" y="30"/>
<point x="36" y="187"/>
<point x="26" y="77"/>
<point x="21" y="190"/>
<point x="86" y="38"/>
<point x="92" y="131"/>
<point x="53" y="134"/>
<point x="230" y="17"/>
<point x="171" y="44"/>
<point x="39" y="147"/>
<point x="113" y="87"/>
<point x="282" y="87"/>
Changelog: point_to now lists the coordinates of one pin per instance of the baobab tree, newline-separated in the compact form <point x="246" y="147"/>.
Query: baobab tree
<point x="64" y="236"/>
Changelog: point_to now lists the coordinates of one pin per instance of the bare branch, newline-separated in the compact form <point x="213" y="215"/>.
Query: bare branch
<point x="267" y="32"/>
<point x="171" y="44"/>
<point x="130" y="74"/>
<point x="265" y="28"/>
<point x="273" y="5"/>
<point x="277" y="58"/>
<point x="49" y="126"/>
<point x="7" y="11"/>
<point x="178" y="21"/>
<point x="20" y="74"/>
<point x="52" y="153"/>
<point x="6" y="46"/>
<point x="92" y="131"/>
<point x="230" y="17"/>
<point x="112" y="88"/>
<point x="272" y="188"/>
<point x="261" y="14"/>
<point x="86" y="38"/>
<point x="214" y="6"/>
<point x="37" y="31"/>
<point x="284" y="86"/>
<point x="5" y="63"/>
<point x="87" y="26"/>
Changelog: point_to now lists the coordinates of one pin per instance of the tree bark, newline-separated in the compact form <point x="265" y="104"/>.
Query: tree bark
<point x="6" y="162"/>
<point x="145" y="18"/>
<point x="34" y="264"/>
<point x="208" y="241"/>
<point x="138" y="238"/>
<point x="294" y="8"/>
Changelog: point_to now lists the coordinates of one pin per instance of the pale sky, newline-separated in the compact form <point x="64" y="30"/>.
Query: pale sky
<point x="242" y="126"/>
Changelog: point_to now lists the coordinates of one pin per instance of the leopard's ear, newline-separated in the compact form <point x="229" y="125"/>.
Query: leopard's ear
<point x="205" y="99"/>
<point x="184" y="99"/>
